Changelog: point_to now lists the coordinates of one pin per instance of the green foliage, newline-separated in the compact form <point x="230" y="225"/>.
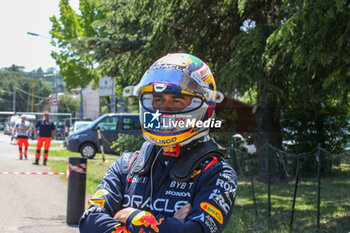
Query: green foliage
<point x="127" y="143"/>
<point x="76" y="65"/>
<point x="301" y="64"/>
<point x="311" y="49"/>
<point x="249" y="47"/>
<point x="249" y="97"/>
<point x="12" y="77"/>
<point x="292" y="55"/>
<point x="68" y="104"/>
<point x="129" y="36"/>
<point x="14" y="68"/>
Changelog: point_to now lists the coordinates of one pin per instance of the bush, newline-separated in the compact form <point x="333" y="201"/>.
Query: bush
<point x="127" y="143"/>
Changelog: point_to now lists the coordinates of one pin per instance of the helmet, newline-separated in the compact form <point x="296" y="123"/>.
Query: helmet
<point x="177" y="76"/>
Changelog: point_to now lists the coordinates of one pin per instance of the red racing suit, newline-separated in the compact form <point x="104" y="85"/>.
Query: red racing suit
<point x="211" y="191"/>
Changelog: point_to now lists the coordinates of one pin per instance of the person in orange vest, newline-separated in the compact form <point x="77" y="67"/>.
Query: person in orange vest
<point x="47" y="130"/>
<point x="22" y="137"/>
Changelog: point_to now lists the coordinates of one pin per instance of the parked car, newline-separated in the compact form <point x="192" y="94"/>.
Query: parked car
<point x="79" y="125"/>
<point x="69" y="122"/>
<point x="86" y="140"/>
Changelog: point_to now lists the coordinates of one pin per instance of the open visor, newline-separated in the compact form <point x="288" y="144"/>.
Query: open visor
<point x="175" y="78"/>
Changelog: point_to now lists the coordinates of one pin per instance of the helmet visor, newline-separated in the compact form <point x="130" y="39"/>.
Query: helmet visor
<point x="170" y="102"/>
<point x="177" y="78"/>
<point x="173" y="77"/>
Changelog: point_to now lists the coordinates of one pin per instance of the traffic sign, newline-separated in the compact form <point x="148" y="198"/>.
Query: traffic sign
<point x="54" y="101"/>
<point x="54" y="109"/>
<point x="106" y="86"/>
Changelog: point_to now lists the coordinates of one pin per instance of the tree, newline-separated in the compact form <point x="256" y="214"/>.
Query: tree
<point x="21" y="80"/>
<point x="14" y="68"/>
<point x="313" y="48"/>
<point x="246" y="71"/>
<point x="68" y="104"/>
<point x="129" y="36"/>
<point x="267" y="47"/>
<point x="76" y="66"/>
<point x="139" y="32"/>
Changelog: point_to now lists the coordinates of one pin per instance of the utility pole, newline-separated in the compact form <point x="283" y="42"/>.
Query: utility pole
<point x="81" y="110"/>
<point x="31" y="97"/>
<point x="113" y="104"/>
<point x="14" y="99"/>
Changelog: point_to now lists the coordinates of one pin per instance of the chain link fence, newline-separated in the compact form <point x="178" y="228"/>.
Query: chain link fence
<point x="286" y="192"/>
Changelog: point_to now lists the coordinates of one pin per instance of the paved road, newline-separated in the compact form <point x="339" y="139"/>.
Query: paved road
<point x="30" y="203"/>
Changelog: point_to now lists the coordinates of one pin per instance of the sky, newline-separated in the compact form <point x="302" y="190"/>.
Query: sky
<point x="17" y="17"/>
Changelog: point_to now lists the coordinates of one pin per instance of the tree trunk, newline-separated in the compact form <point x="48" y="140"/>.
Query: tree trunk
<point x="268" y="130"/>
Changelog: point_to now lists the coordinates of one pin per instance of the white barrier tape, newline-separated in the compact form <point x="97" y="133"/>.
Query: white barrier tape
<point x="32" y="173"/>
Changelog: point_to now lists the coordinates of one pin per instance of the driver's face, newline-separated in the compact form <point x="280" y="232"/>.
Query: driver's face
<point x="170" y="102"/>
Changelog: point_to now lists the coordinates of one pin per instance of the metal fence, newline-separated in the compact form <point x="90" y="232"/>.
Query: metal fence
<point x="260" y="168"/>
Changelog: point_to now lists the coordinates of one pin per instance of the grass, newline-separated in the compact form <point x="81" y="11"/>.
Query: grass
<point x="58" y="153"/>
<point x="95" y="172"/>
<point x="95" y="168"/>
<point x="335" y="200"/>
<point x="66" y="153"/>
<point x="335" y="206"/>
<point x="63" y="153"/>
<point x="56" y="144"/>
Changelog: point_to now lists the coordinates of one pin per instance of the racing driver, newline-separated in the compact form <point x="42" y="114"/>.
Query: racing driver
<point x="178" y="182"/>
